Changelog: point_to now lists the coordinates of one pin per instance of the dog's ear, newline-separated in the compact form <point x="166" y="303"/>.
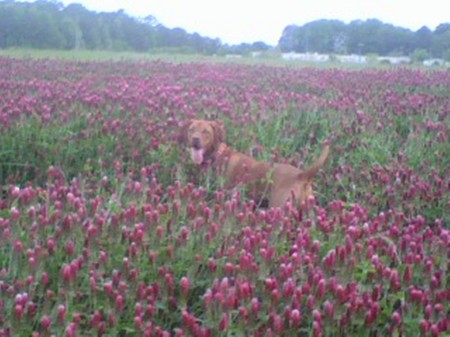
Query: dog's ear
<point x="219" y="131"/>
<point x="182" y="136"/>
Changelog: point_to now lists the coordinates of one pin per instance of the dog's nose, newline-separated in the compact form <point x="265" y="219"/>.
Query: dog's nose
<point x="196" y="142"/>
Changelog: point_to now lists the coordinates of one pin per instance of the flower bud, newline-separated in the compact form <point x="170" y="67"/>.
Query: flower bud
<point x="185" y="284"/>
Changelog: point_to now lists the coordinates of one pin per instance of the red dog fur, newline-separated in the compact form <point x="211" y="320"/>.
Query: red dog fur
<point x="278" y="183"/>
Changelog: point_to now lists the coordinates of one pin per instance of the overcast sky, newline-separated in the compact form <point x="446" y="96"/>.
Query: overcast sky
<point x="236" y="21"/>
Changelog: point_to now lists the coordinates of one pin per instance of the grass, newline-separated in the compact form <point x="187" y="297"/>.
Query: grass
<point x="105" y="55"/>
<point x="96" y="55"/>
<point x="31" y="147"/>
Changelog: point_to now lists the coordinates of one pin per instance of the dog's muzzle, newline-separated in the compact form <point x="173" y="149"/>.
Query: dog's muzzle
<point x="196" y="143"/>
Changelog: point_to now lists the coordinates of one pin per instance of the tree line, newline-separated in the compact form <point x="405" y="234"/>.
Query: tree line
<point x="366" y="37"/>
<point x="48" y="24"/>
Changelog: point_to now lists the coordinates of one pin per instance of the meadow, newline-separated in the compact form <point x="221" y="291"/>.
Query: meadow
<point x="108" y="229"/>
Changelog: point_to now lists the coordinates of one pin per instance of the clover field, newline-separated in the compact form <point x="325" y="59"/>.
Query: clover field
<point x="108" y="229"/>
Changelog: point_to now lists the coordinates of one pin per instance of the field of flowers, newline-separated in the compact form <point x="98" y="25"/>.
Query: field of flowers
<point x="108" y="229"/>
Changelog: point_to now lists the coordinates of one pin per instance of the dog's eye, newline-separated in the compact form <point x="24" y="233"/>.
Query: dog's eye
<point x="205" y="131"/>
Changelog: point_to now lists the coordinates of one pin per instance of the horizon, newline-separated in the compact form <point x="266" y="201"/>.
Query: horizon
<point x="235" y="22"/>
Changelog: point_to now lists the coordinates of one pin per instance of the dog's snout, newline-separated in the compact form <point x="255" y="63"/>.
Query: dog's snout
<point x="196" y="142"/>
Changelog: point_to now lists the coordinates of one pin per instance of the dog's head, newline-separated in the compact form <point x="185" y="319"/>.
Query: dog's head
<point x="203" y="138"/>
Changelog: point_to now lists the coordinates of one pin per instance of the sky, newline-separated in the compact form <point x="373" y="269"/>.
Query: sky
<point x="239" y="21"/>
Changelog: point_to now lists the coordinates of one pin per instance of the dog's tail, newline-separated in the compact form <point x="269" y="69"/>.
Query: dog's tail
<point x="311" y="171"/>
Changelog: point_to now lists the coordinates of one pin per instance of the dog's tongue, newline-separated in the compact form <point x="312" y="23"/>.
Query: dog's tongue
<point x="197" y="155"/>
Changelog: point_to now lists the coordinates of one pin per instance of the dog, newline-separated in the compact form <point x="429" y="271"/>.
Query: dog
<point x="278" y="183"/>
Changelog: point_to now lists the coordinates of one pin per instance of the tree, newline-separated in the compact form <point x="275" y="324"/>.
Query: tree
<point x="364" y="37"/>
<point x="260" y="46"/>
<point x="442" y="29"/>
<point x="8" y="24"/>
<point x="394" y="40"/>
<point x="358" y="37"/>
<point x="289" y="40"/>
<point x="323" y="36"/>
<point x="441" y="41"/>
<point x="30" y="25"/>
<point x="71" y="33"/>
<point x="420" y="55"/>
<point x="423" y="38"/>
<point x="151" y="21"/>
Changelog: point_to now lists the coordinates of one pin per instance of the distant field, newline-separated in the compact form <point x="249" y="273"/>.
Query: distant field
<point x="88" y="55"/>
<point x="273" y="59"/>
<point x="108" y="229"/>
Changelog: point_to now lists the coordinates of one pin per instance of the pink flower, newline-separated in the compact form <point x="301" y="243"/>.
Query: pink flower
<point x="329" y="309"/>
<point x="229" y="268"/>
<point x="396" y="318"/>
<point x="70" y="330"/>
<point x="67" y="273"/>
<point x="320" y="291"/>
<point x="255" y="305"/>
<point x="119" y="302"/>
<point x="424" y="326"/>
<point x="224" y="322"/>
<point x="295" y="317"/>
<point x="61" y="313"/>
<point x="185" y="284"/>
